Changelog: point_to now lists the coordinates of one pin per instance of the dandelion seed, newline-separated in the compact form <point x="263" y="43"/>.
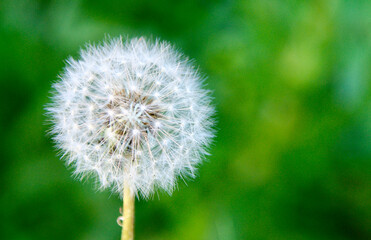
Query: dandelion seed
<point x="134" y="113"/>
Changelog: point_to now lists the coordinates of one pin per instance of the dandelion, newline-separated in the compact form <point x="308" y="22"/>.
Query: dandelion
<point x="134" y="115"/>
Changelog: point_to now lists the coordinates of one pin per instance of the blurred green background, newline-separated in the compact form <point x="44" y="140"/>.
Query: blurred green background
<point x="292" y="88"/>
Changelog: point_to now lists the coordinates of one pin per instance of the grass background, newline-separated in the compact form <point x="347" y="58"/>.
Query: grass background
<point x="291" y="82"/>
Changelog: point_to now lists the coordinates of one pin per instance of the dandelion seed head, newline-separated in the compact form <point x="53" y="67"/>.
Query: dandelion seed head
<point x="132" y="112"/>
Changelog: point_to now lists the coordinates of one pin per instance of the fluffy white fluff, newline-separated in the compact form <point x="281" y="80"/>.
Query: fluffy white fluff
<point x="132" y="112"/>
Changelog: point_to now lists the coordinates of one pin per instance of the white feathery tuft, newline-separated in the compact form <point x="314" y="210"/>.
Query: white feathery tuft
<point x="132" y="112"/>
